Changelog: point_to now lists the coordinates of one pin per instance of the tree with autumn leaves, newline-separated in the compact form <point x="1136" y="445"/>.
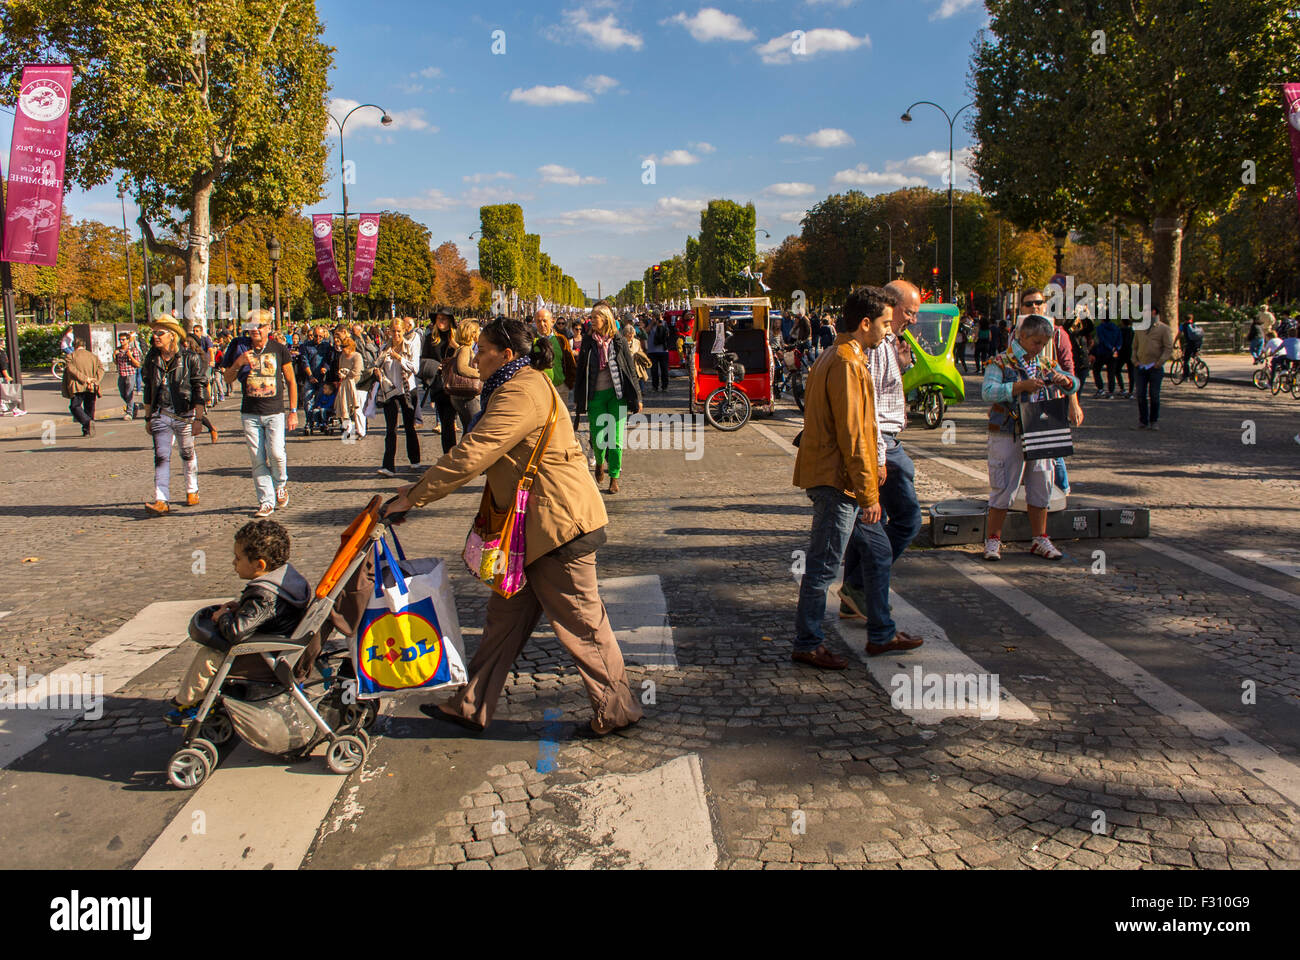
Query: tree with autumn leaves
<point x="210" y="108"/>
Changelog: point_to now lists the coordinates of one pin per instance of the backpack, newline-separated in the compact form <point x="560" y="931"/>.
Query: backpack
<point x="1195" y="335"/>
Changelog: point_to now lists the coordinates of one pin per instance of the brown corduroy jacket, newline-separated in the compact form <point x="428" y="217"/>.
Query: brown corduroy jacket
<point x="565" y="503"/>
<point x="838" y="448"/>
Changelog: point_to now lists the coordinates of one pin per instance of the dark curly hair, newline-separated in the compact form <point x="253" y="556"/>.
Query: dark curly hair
<point x="516" y="336"/>
<point x="264" y="540"/>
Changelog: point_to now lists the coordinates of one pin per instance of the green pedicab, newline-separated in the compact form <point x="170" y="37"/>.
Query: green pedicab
<point x="933" y="381"/>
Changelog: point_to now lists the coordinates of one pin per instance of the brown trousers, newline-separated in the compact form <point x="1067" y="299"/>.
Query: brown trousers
<point x="566" y="592"/>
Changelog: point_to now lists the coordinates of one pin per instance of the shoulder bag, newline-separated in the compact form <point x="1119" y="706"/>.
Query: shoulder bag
<point x="494" y="549"/>
<point x="457" y="384"/>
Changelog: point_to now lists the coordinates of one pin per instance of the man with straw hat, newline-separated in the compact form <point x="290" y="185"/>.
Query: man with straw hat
<point x="174" y="390"/>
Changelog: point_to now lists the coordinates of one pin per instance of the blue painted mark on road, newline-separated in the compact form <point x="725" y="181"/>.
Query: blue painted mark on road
<point x="549" y="748"/>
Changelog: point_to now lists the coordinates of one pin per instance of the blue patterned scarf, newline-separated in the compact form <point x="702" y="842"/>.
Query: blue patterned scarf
<point x="504" y="373"/>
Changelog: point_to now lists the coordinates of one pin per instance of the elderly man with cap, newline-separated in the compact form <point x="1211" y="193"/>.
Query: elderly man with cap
<point x="174" y="387"/>
<point x="266" y="371"/>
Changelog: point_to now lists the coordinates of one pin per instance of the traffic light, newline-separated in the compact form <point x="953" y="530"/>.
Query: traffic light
<point x="655" y="271"/>
<point x="935" y="272"/>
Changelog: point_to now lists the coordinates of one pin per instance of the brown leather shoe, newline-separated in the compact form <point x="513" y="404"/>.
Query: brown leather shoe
<point x="821" y="658"/>
<point x="901" y="641"/>
<point x="191" y="499"/>
<point x="213" y="434"/>
<point x="613" y="484"/>
<point x="158" y="507"/>
<point x="436" y="711"/>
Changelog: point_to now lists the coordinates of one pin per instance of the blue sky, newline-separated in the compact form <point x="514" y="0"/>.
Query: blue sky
<point x="585" y="92"/>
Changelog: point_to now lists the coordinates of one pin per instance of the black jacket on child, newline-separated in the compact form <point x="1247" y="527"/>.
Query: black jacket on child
<point x="272" y="603"/>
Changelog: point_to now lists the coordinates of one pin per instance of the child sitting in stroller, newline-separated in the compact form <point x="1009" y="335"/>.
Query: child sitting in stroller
<point x="322" y="409"/>
<point x="273" y="602"/>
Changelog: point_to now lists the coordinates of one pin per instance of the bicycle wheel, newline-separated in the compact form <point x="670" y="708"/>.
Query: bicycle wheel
<point x="1276" y="386"/>
<point x="1200" y="374"/>
<point x="726" y="408"/>
<point x="1260" y="379"/>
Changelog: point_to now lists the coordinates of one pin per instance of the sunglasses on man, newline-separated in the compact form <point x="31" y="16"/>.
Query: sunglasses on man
<point x="1034" y="303"/>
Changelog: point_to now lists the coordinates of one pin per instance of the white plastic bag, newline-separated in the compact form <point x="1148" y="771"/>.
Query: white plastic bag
<point x="409" y="637"/>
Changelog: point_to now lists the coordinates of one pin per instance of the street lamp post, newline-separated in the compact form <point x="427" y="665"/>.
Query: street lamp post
<point x="343" y="183"/>
<point x="889" y="258"/>
<point x="273" y="251"/>
<point x="907" y="118"/>
<point x="130" y="283"/>
<point x="1015" y="286"/>
<point x="898" y="268"/>
<point x="1060" y="238"/>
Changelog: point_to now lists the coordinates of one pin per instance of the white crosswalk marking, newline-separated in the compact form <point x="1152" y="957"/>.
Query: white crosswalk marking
<point x="255" y="812"/>
<point x="1222" y="573"/>
<point x="1278" y="773"/>
<point x="1289" y="567"/>
<point x="134" y="647"/>
<point x="937" y="657"/>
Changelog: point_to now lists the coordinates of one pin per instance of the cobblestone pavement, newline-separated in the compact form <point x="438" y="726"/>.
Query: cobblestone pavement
<point x="801" y="769"/>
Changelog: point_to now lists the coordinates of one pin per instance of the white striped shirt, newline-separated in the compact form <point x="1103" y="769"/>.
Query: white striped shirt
<point x="891" y="404"/>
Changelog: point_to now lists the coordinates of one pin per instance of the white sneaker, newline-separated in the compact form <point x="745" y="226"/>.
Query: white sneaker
<point x="993" y="549"/>
<point x="1296" y="438"/>
<point x="385" y="472"/>
<point x="419" y="466"/>
<point x="1044" y="548"/>
<point x="265" y="510"/>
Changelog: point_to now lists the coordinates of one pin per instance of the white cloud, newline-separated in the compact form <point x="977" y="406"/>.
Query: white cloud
<point x="599" y="83"/>
<point x="703" y="147"/>
<point x="935" y="164"/>
<point x="861" y="176"/>
<point x="434" y="199"/>
<point x="681" y="214"/>
<point x="677" y="158"/>
<point x="487" y="177"/>
<point x="790" y="189"/>
<point x="428" y="73"/>
<point x="604" y="33"/>
<point x="402" y="119"/>
<point x="541" y="96"/>
<point x="431" y="199"/>
<point x="618" y="221"/>
<point x="792" y="216"/>
<point x="779" y="50"/>
<point x="410" y="89"/>
<point x="950" y="8"/>
<point x="566" y="176"/>
<point x="710" y="23"/>
<point x="825" y="138"/>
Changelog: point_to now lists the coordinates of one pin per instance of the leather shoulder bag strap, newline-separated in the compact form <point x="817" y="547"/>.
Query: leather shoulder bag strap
<point x="535" y="461"/>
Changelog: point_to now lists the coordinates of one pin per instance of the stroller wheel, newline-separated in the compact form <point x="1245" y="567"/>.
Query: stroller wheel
<point x="188" y="768"/>
<point x="217" y="728"/>
<point x="208" y="749"/>
<point x="361" y="714"/>
<point x="346" y="753"/>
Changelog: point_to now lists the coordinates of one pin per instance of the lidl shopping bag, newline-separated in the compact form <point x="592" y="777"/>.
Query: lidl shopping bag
<point x="409" y="637"/>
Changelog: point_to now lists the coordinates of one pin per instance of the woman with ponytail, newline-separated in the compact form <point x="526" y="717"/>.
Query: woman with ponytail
<point x="564" y="526"/>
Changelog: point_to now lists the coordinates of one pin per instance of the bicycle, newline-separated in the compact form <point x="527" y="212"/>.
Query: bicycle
<point x="1198" y="371"/>
<point x="57" y="366"/>
<point x="727" y="408"/>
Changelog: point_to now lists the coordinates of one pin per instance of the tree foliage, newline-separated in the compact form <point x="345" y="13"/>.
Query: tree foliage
<point x="213" y="108"/>
<point x="726" y="243"/>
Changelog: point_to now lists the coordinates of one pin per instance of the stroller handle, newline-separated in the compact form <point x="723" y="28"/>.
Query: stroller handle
<point x="353" y="539"/>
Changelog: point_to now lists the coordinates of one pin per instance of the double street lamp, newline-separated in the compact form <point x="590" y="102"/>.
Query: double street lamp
<point x="343" y="182"/>
<point x="889" y="258"/>
<point x="952" y="120"/>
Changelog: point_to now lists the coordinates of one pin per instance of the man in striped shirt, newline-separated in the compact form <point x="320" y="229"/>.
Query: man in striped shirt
<point x="865" y="593"/>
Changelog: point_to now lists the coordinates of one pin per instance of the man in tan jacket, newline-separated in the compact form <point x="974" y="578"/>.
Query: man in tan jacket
<point x="837" y="464"/>
<point x="81" y="385"/>
<point x="1152" y="349"/>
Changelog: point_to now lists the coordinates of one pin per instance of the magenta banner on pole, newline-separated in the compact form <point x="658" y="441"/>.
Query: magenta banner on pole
<point x="322" y="229"/>
<point x="1291" y="92"/>
<point x="367" y="244"/>
<point x="34" y="199"/>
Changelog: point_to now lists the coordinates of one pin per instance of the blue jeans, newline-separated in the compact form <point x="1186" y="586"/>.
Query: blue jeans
<point x="835" y="525"/>
<point x="1148" y="386"/>
<point x="1060" y="475"/>
<point x="870" y="570"/>
<point x="265" y="437"/>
